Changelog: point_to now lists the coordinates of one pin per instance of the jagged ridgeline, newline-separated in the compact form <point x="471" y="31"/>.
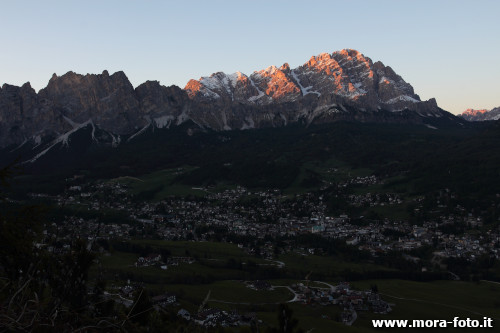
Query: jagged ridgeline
<point x="481" y="115"/>
<point x="329" y="87"/>
<point x="257" y="130"/>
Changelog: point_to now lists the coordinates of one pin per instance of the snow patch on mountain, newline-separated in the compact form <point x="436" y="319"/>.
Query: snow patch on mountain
<point x="182" y="117"/>
<point x="163" y="121"/>
<point x="271" y="70"/>
<point x="220" y="82"/>
<point x="71" y="122"/>
<point x="384" y="79"/>
<point x="305" y="90"/>
<point x="233" y="78"/>
<point x="142" y="130"/>
<point x="210" y="82"/>
<point x="226" y="127"/>
<point x="93" y="131"/>
<point x="284" y="118"/>
<point x="63" y="139"/>
<point x="249" y="123"/>
<point x="261" y="93"/>
<point x="116" y="140"/>
<point x="210" y="94"/>
<point x="358" y="86"/>
<point x="481" y="115"/>
<point x="402" y="98"/>
<point x="22" y="144"/>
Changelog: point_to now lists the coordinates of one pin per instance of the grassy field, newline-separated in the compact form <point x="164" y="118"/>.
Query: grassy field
<point x="325" y="265"/>
<point x="408" y="299"/>
<point x="315" y="318"/>
<point x="198" y="272"/>
<point x="426" y="300"/>
<point x="232" y="291"/>
<point x="159" y="184"/>
<point x="396" y="212"/>
<point x="436" y="300"/>
<point x="337" y="170"/>
<point x="481" y="298"/>
<point x="422" y="300"/>
<point x="332" y="170"/>
<point x="202" y="250"/>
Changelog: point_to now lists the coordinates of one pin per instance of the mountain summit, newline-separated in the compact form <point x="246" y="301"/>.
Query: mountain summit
<point x="481" y="115"/>
<point x="344" y="76"/>
<point x="343" y="85"/>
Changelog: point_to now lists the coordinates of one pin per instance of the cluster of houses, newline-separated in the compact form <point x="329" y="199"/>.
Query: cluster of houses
<point x="366" y="180"/>
<point x="163" y="300"/>
<point x="216" y="317"/>
<point x="343" y="296"/>
<point x="259" y="285"/>
<point x="374" y="199"/>
<point x="155" y="259"/>
<point x="152" y="259"/>
<point x="269" y="213"/>
<point x="211" y="317"/>
<point x="349" y="300"/>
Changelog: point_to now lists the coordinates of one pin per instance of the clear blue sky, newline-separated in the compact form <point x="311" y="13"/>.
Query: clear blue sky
<point x="446" y="49"/>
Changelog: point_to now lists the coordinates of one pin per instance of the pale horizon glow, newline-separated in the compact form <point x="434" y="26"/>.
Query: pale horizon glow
<point x="446" y="49"/>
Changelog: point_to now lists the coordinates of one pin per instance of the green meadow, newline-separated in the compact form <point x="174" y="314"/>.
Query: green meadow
<point x="211" y="273"/>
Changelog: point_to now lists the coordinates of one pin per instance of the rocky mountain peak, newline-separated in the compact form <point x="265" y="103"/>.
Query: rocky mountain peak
<point x="27" y="86"/>
<point x="218" y="86"/>
<point x="102" y="97"/>
<point x="276" y="84"/>
<point x="345" y="76"/>
<point x="472" y="112"/>
<point x="285" y="67"/>
<point x="329" y="87"/>
<point x="481" y="115"/>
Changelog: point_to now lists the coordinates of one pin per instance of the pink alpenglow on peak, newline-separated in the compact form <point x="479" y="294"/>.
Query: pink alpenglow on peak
<point x="345" y="76"/>
<point x="481" y="115"/>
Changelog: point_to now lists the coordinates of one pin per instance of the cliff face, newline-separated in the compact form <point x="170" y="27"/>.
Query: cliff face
<point x="345" y="76"/>
<point x="24" y="114"/>
<point x="481" y="115"/>
<point x="68" y="101"/>
<point x="319" y="90"/>
<point x="329" y="87"/>
<point x="109" y="100"/>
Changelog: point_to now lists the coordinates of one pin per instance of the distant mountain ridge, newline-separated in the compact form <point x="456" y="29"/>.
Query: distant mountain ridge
<point x="344" y="85"/>
<point x="481" y="115"/>
<point x="346" y="74"/>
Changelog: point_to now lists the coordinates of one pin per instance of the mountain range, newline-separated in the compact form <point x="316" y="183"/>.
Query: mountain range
<point x="481" y="115"/>
<point x="344" y="85"/>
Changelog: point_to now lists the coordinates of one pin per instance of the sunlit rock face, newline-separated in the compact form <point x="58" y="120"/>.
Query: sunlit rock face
<point x="344" y="76"/>
<point x="343" y="85"/>
<point x="314" y="91"/>
<point x="481" y="115"/>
